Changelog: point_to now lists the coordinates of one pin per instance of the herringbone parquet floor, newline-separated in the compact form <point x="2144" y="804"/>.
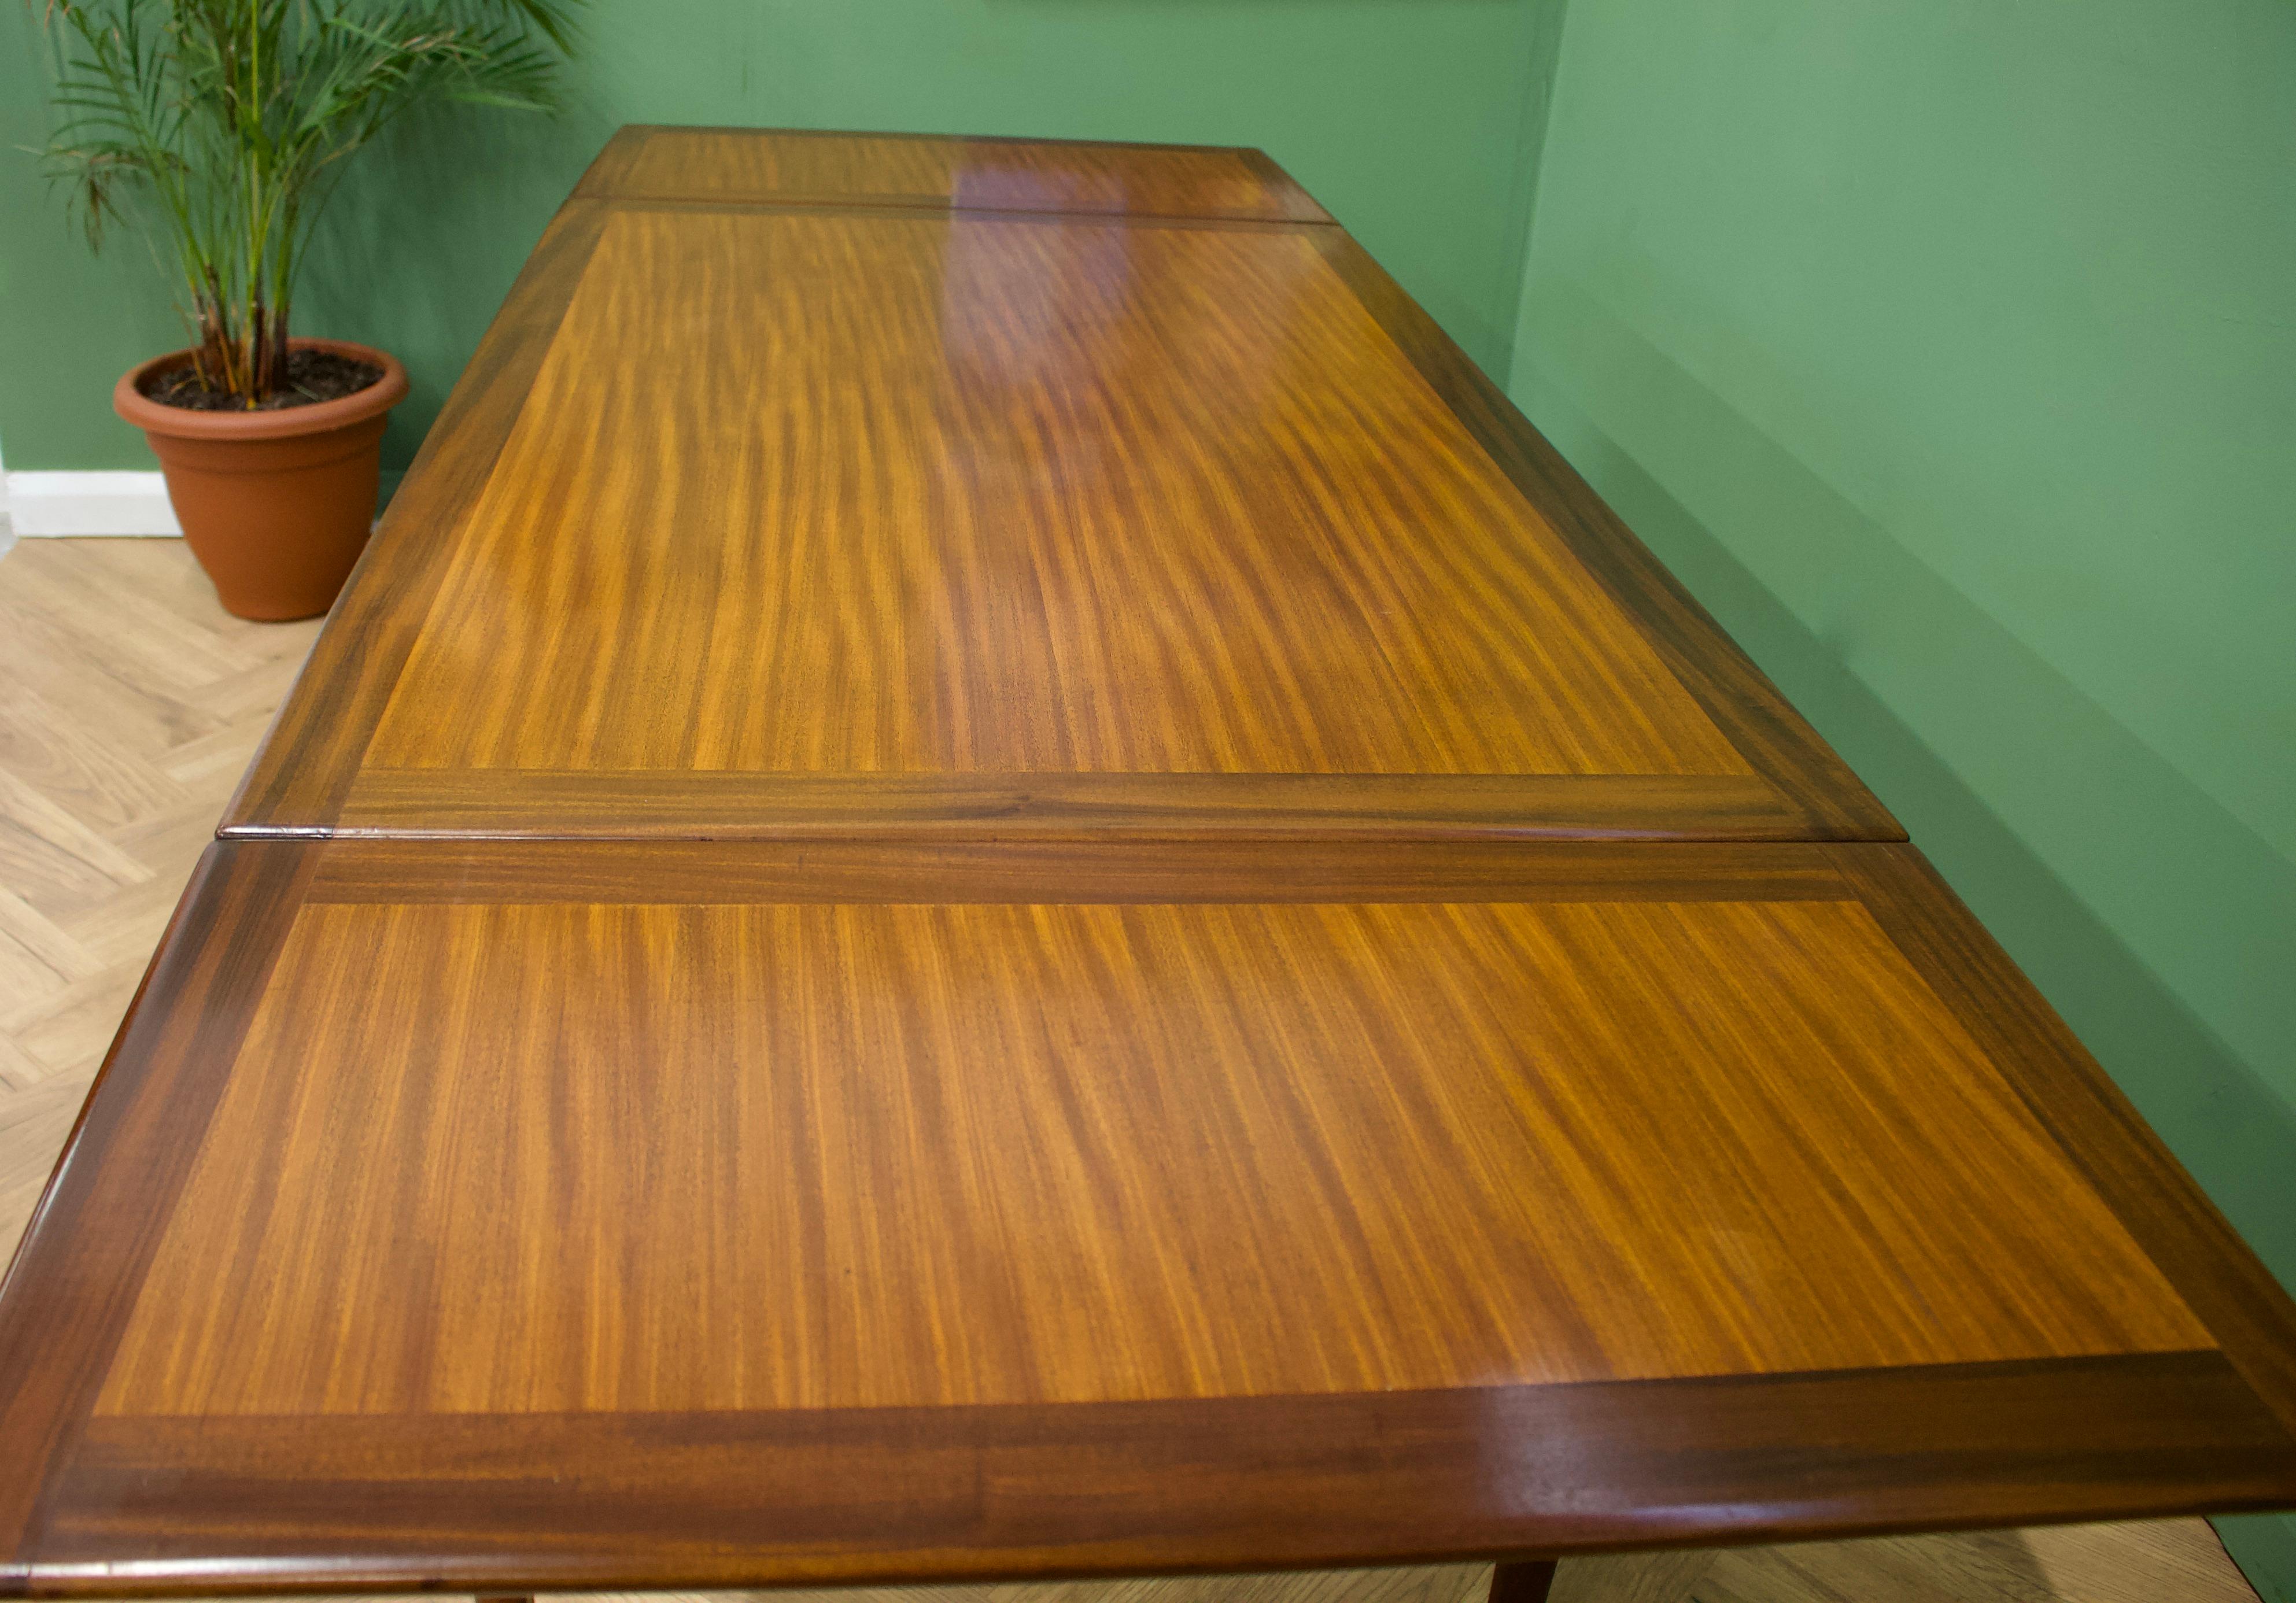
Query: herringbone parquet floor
<point x="129" y="703"/>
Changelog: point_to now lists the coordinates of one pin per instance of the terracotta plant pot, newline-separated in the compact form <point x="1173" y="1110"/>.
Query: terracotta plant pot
<point x="276" y="505"/>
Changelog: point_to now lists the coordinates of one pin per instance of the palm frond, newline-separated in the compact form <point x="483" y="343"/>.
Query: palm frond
<point x="222" y="126"/>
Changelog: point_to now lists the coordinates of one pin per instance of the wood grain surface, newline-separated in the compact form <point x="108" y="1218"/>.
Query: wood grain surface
<point x="1112" y="870"/>
<point x="74" y="1274"/>
<point x="297" y="781"/>
<point x="661" y="803"/>
<point x="967" y="173"/>
<point x="655" y="1158"/>
<point x="1772" y="737"/>
<point x="1003" y="497"/>
<point x="494" y="1502"/>
<point x="110" y="737"/>
<point x="519" y="1228"/>
<point x="990" y="524"/>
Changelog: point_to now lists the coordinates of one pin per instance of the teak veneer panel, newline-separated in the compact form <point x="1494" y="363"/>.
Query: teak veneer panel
<point x="967" y="173"/>
<point x="965" y="522"/>
<point x="660" y="1159"/>
<point x="483" y="1215"/>
<point x="993" y="497"/>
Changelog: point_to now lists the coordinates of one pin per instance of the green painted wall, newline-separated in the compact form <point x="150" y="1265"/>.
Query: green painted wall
<point x="1948" y="352"/>
<point x="1407" y="118"/>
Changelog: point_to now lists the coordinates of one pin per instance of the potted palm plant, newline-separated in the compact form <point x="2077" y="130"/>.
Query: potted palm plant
<point x="220" y="127"/>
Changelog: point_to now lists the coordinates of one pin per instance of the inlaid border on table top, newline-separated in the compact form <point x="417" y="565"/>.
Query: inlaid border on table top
<point x="611" y="176"/>
<point x="128" y="1505"/>
<point x="507" y="1503"/>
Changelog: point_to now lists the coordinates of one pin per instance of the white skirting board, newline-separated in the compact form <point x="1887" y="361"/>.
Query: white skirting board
<point x="88" y="503"/>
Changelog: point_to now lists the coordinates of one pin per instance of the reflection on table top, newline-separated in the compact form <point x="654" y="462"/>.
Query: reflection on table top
<point x="763" y="519"/>
<point x="593" y="1214"/>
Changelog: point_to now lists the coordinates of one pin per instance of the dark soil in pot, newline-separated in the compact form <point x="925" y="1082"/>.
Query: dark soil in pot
<point x="313" y="376"/>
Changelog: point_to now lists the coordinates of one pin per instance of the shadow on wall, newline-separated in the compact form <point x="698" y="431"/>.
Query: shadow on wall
<point x="1938" y="707"/>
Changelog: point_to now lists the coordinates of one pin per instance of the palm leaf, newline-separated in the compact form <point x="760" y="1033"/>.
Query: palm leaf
<point x="221" y="126"/>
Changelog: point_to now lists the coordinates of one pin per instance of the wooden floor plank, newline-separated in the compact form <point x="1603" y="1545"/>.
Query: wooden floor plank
<point x="129" y="704"/>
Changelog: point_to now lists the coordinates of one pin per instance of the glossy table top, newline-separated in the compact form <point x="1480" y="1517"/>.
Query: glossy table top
<point x="501" y="1215"/>
<point x="1034" y="895"/>
<point x="792" y="164"/>
<point x="814" y="484"/>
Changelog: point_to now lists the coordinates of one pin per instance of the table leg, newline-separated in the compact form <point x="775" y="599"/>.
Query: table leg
<point x="503" y="1597"/>
<point x="1524" y="1581"/>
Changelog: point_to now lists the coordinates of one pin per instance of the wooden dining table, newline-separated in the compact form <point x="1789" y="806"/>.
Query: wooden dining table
<point x="990" y="875"/>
